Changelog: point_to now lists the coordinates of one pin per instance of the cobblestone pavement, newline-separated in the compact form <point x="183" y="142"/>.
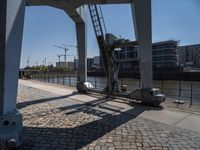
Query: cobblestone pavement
<point x="53" y="122"/>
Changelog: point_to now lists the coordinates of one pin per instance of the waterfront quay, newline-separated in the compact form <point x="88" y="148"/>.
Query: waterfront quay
<point x="187" y="91"/>
<point x="57" y="117"/>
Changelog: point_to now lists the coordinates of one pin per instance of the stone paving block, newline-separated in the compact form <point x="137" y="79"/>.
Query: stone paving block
<point x="55" y="122"/>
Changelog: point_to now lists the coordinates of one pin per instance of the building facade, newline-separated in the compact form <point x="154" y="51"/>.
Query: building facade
<point x="189" y="56"/>
<point x="165" y="55"/>
<point x="90" y="62"/>
<point x="61" y="64"/>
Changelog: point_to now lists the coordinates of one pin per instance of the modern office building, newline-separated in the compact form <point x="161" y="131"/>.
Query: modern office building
<point x="165" y="55"/>
<point x="128" y="58"/>
<point x="70" y="65"/>
<point x="90" y="62"/>
<point x="189" y="56"/>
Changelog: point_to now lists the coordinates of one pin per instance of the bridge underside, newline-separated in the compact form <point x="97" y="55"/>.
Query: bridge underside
<point x="11" y="32"/>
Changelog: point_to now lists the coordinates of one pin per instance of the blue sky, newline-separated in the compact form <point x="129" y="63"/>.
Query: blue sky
<point x="45" y="27"/>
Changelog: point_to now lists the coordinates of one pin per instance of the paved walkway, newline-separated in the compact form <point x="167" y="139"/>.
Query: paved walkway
<point x="59" y="118"/>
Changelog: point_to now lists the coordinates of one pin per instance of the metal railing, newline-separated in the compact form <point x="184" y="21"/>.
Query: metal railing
<point x="186" y="91"/>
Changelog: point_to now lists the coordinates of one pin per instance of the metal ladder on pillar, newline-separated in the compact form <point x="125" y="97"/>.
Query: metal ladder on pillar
<point x="104" y="52"/>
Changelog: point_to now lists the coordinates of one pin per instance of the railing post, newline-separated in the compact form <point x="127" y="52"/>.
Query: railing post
<point x="53" y="77"/>
<point x="95" y="82"/>
<point x="63" y="80"/>
<point x="179" y="94"/>
<point x="122" y="82"/>
<point x="191" y="90"/>
<point x="139" y="82"/>
<point x="48" y="78"/>
<point x="69" y="80"/>
<point x="57" y="79"/>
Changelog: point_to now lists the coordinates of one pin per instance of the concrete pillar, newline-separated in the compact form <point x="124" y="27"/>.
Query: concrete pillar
<point x="141" y="10"/>
<point x="81" y="33"/>
<point x="82" y="53"/>
<point x="11" y="29"/>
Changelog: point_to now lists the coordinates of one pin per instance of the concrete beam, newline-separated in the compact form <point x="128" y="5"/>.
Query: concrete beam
<point x="78" y="15"/>
<point x="72" y="12"/>
<point x="141" y="10"/>
<point x="11" y="30"/>
<point x="81" y="32"/>
<point x="12" y="20"/>
<point x="3" y="12"/>
<point x="78" y="3"/>
<point x="74" y="3"/>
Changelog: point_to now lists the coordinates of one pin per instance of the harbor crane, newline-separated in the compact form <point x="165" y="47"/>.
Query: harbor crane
<point x="107" y="43"/>
<point x="11" y="33"/>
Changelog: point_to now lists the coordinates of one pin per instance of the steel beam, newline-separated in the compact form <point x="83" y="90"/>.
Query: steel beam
<point x="11" y="29"/>
<point x="141" y="10"/>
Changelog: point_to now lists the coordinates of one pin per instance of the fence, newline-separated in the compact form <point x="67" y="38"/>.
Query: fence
<point x="186" y="91"/>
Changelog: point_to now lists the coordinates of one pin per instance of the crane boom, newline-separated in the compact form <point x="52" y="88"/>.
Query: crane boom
<point x="110" y="64"/>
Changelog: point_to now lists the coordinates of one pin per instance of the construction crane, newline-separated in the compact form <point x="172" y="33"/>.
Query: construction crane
<point x="59" y="58"/>
<point x="65" y="52"/>
<point x="73" y="46"/>
<point x="28" y="60"/>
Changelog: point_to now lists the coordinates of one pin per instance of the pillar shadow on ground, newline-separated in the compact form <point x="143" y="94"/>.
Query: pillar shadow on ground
<point x="84" y="134"/>
<point x="43" y="100"/>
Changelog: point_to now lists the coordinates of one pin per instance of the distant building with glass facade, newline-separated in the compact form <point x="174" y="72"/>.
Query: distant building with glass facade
<point x="189" y="56"/>
<point x="165" y="54"/>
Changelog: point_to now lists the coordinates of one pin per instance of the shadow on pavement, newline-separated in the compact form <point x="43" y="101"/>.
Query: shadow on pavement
<point x="43" y="100"/>
<point x="110" y="116"/>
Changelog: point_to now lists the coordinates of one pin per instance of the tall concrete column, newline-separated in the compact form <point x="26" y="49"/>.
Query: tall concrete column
<point x="81" y="33"/>
<point x="11" y="29"/>
<point x="141" y="10"/>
